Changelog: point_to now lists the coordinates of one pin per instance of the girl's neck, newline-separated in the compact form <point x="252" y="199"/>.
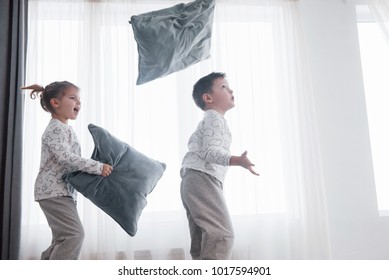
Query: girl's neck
<point x="63" y="120"/>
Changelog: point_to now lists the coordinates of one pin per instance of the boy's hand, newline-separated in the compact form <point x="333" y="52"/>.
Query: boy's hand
<point x="246" y="163"/>
<point x="107" y="170"/>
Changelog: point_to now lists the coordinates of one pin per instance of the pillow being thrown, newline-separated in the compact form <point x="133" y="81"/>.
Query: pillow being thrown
<point x="172" y="39"/>
<point x="122" y="194"/>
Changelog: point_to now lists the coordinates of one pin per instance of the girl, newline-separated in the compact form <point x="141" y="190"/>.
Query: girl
<point x="61" y="153"/>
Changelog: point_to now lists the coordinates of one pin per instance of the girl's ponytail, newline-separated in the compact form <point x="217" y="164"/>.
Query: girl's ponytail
<point x="37" y="90"/>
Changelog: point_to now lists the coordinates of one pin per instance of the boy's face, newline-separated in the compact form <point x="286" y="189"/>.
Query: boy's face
<point x="221" y="97"/>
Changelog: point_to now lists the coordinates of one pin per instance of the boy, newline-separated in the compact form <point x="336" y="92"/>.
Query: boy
<point x="204" y="168"/>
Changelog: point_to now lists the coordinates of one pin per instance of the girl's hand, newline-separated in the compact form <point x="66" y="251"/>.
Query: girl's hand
<point x="107" y="170"/>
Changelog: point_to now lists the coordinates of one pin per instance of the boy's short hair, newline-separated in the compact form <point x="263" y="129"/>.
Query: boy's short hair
<point x="204" y="85"/>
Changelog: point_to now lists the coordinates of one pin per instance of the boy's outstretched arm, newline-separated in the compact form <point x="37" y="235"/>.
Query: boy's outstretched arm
<point x="243" y="161"/>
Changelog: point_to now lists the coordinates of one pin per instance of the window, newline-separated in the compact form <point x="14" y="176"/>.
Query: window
<point x="375" y="66"/>
<point x="103" y="65"/>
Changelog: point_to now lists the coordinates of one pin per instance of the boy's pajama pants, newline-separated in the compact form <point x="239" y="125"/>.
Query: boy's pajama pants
<point x="210" y="224"/>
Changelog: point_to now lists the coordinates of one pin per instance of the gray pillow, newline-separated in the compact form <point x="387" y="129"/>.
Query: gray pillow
<point x="172" y="39"/>
<point x="122" y="195"/>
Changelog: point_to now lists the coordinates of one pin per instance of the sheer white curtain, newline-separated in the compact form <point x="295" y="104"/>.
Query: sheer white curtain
<point x="380" y="11"/>
<point x="260" y="45"/>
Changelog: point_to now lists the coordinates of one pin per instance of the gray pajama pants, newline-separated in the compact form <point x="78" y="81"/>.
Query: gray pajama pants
<point x="210" y="226"/>
<point x="66" y="227"/>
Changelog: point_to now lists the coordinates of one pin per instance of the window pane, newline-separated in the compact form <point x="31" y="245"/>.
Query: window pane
<point x="375" y="67"/>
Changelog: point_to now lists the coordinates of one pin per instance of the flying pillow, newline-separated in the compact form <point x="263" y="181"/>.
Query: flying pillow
<point x="172" y="39"/>
<point x="122" y="194"/>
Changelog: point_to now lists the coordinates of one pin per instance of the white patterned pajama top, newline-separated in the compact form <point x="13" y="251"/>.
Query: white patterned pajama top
<point x="60" y="154"/>
<point x="209" y="146"/>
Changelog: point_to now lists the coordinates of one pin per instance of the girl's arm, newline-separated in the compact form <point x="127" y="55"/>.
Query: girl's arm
<point x="61" y="148"/>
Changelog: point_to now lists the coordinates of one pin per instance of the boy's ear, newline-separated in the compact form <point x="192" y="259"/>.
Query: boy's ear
<point x="54" y="102"/>
<point x="207" y="98"/>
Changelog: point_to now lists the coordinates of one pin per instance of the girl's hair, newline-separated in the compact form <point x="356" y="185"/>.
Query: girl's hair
<point x="53" y="90"/>
<point x="204" y="85"/>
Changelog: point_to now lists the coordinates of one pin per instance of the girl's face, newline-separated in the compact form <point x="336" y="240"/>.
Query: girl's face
<point x="221" y="98"/>
<point x="68" y="106"/>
